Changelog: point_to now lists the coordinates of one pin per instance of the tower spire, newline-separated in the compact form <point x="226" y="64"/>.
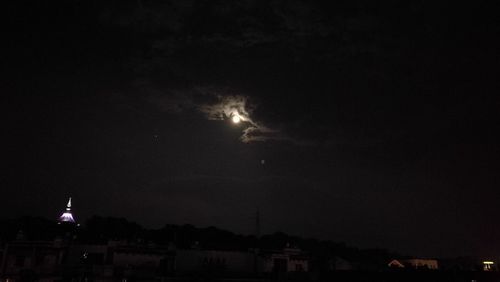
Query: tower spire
<point x="67" y="216"/>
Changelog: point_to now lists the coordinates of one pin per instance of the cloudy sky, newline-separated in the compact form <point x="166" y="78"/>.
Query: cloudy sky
<point x="372" y="124"/>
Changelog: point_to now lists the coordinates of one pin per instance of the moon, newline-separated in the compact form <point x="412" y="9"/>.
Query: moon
<point x="236" y="119"/>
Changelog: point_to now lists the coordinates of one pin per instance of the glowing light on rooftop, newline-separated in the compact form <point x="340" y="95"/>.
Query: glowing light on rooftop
<point x="67" y="217"/>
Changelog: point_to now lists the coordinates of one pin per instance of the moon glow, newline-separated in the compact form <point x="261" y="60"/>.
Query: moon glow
<point x="236" y="119"/>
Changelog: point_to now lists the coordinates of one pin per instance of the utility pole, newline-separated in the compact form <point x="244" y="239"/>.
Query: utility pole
<point x="257" y="224"/>
<point x="257" y="238"/>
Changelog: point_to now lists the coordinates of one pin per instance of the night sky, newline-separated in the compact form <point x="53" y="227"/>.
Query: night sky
<point x="371" y="123"/>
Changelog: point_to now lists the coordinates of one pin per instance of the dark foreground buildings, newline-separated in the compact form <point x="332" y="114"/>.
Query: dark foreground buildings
<point x="66" y="257"/>
<point x="62" y="260"/>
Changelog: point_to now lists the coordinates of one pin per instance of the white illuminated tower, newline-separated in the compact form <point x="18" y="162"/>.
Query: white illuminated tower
<point x="67" y="216"/>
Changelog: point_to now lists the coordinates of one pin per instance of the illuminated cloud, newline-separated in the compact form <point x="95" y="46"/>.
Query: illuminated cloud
<point x="227" y="106"/>
<point x="217" y="104"/>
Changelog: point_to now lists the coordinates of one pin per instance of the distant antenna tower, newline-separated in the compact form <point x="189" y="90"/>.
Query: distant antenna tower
<point x="257" y="224"/>
<point x="257" y="236"/>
